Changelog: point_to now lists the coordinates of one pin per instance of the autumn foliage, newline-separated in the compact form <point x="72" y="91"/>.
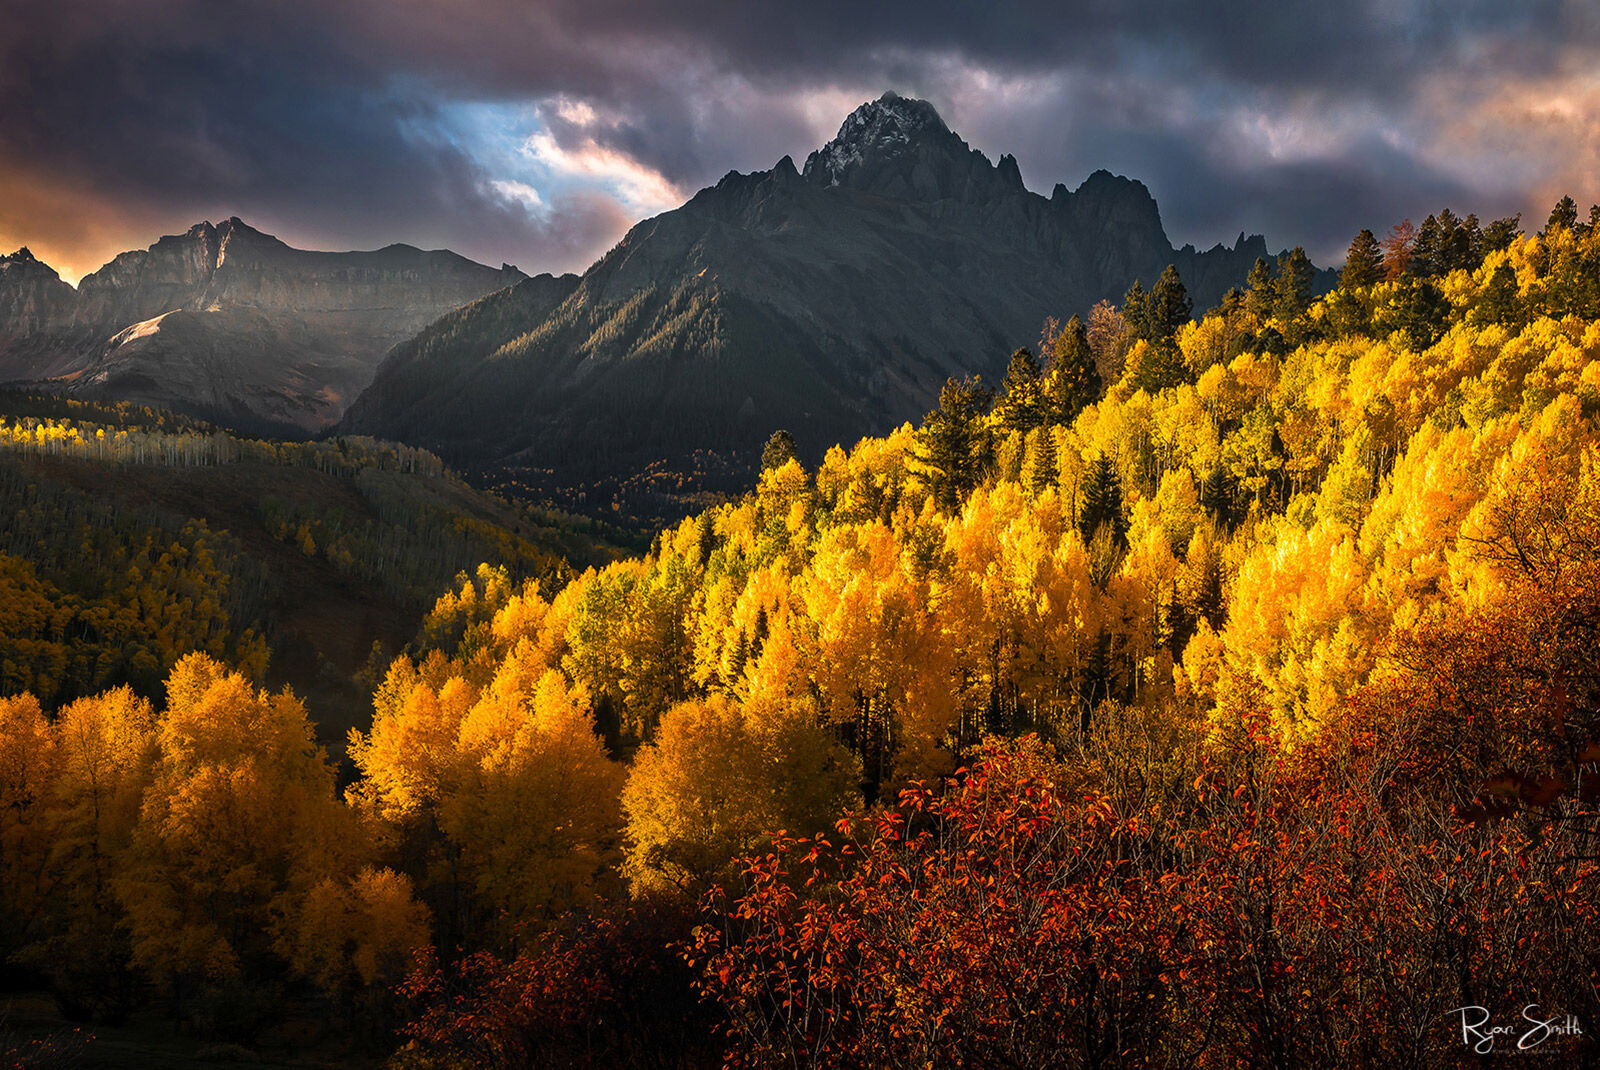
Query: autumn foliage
<point x="1240" y="713"/>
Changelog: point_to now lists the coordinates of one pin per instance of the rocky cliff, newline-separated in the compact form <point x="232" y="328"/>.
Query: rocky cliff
<point x="227" y="322"/>
<point x="32" y="296"/>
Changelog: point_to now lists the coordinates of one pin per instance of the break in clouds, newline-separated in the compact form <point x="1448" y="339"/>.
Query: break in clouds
<point x="537" y="133"/>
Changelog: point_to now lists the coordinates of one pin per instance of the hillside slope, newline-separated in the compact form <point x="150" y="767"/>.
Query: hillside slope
<point x="133" y="537"/>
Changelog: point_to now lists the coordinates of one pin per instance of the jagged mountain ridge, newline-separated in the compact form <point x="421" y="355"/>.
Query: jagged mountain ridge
<point x="229" y="323"/>
<point x="833" y="301"/>
<point x="32" y="296"/>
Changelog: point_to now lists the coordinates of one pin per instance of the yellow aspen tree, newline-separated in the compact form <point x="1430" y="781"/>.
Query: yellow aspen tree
<point x="407" y="758"/>
<point x="1540" y="511"/>
<point x="1410" y="533"/>
<point x="1298" y="620"/>
<point x="239" y="822"/>
<point x="719" y="777"/>
<point x="358" y="938"/>
<point x="535" y="815"/>
<point x="874" y="629"/>
<point x="28" y="771"/>
<point x="106" y="750"/>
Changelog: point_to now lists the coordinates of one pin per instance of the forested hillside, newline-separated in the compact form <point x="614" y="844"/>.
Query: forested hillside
<point x="1212" y="692"/>
<point x="134" y="536"/>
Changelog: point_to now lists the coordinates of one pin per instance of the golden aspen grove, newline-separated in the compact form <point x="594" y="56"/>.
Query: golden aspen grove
<point x="1212" y="691"/>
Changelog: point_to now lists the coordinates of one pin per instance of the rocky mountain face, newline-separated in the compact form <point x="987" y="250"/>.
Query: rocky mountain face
<point x="832" y="300"/>
<point x="229" y="323"/>
<point x="32" y="296"/>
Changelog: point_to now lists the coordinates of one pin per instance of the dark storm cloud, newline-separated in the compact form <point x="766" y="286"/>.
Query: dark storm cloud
<point x="334" y="123"/>
<point x="283" y="122"/>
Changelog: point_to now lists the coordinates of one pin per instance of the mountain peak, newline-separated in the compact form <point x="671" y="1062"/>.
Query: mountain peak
<point x="891" y="116"/>
<point x="1103" y="183"/>
<point x="880" y="130"/>
<point x="232" y="225"/>
<point x="22" y="264"/>
<point x="899" y="147"/>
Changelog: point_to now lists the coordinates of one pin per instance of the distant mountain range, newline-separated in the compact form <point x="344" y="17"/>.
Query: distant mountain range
<point x="832" y="300"/>
<point x="228" y="323"/>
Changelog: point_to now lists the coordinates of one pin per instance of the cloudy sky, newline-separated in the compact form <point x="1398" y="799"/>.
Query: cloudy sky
<point x="537" y="131"/>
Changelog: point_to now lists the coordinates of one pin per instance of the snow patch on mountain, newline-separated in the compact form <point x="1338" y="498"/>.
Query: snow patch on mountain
<point x="882" y="129"/>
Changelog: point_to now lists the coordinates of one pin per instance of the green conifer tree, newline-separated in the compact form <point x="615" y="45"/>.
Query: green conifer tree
<point x="1136" y="311"/>
<point x="1563" y="216"/>
<point x="1454" y="243"/>
<point x="778" y="451"/>
<point x="1102" y="503"/>
<point x="1021" y="404"/>
<point x="1425" y="249"/>
<point x="1170" y="307"/>
<point x="1500" y="302"/>
<point x="1218" y="496"/>
<point x="1501" y="233"/>
<point x="1293" y="286"/>
<point x="953" y="449"/>
<point x="1363" y="264"/>
<point x="1072" y="382"/>
<point x="1472" y="242"/>
<point x="1041" y="469"/>
<point x="1260" y="292"/>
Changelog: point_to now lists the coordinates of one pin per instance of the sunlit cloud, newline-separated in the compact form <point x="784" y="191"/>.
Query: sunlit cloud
<point x="639" y="186"/>
<point x="1536" y="136"/>
<point x="576" y="112"/>
<point x="517" y="191"/>
<point x="72" y="229"/>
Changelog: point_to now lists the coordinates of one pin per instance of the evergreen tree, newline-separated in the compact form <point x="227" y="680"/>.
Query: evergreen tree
<point x="1472" y="242"/>
<point x="1136" y="311"/>
<point x="1157" y="367"/>
<point x="1454" y="243"/>
<point x="1210" y="601"/>
<point x="1169" y="307"/>
<point x="1450" y="253"/>
<point x="1501" y="233"/>
<point x="1564" y="215"/>
<point x="778" y="451"/>
<point x="1042" y="469"/>
<point x="1166" y="308"/>
<point x="1217" y="496"/>
<point x="1293" y="287"/>
<point x="1102" y="503"/>
<point x="1419" y="309"/>
<point x="1073" y="382"/>
<point x="1270" y="340"/>
<point x="1363" y="264"/>
<point x="1348" y="312"/>
<point x="1021" y="405"/>
<point x="1260" y="292"/>
<point x="953" y="449"/>
<point x="1425" y="249"/>
<point x="1499" y="302"/>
